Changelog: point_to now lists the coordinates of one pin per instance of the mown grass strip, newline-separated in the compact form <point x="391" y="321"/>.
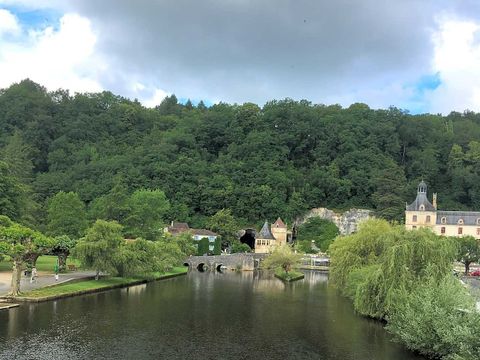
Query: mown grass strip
<point x="81" y="287"/>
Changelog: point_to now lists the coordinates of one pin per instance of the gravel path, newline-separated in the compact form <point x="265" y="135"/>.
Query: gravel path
<point x="41" y="281"/>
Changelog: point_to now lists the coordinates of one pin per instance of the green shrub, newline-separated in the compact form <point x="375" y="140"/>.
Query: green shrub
<point x="321" y="231"/>
<point x="238" y="247"/>
<point x="438" y="319"/>
<point x="217" y="248"/>
<point x="203" y="246"/>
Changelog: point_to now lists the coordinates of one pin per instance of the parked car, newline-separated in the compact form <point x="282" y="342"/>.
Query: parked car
<point x="475" y="273"/>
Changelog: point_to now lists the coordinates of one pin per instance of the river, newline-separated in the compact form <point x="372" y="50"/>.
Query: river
<point x="246" y="315"/>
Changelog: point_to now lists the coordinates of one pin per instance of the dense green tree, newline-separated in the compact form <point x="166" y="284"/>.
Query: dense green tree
<point x="62" y="247"/>
<point x="21" y="244"/>
<point x="11" y="193"/>
<point x="100" y="247"/>
<point x="438" y="320"/>
<point x="322" y="232"/>
<point x="282" y="257"/>
<point x="146" y="217"/>
<point x="66" y="215"/>
<point x="112" y="206"/>
<point x="184" y="241"/>
<point x="468" y="251"/>
<point x="389" y="196"/>
<point x="238" y="247"/>
<point x="203" y="246"/>
<point x="377" y="262"/>
<point x="260" y="162"/>
<point x="144" y="257"/>
<point x="18" y="157"/>
<point x="217" y="247"/>
<point x="224" y="224"/>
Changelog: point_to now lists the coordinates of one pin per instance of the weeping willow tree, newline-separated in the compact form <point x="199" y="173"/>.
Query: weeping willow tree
<point x="357" y="251"/>
<point x="381" y="262"/>
<point x="438" y="320"/>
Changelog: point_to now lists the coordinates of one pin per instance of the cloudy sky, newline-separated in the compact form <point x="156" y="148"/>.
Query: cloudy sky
<point x="418" y="55"/>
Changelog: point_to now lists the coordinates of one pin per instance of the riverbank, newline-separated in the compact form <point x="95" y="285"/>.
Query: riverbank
<point x="6" y="306"/>
<point x="81" y="287"/>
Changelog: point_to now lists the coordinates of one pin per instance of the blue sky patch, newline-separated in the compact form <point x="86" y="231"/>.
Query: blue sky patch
<point x="195" y="102"/>
<point x="417" y="103"/>
<point x="35" y="19"/>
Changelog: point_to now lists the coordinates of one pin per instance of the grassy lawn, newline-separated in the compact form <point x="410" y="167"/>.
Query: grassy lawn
<point x="44" y="263"/>
<point x="5" y="266"/>
<point x="86" y="285"/>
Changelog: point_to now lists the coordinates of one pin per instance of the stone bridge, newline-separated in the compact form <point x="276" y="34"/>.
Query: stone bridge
<point x="246" y="261"/>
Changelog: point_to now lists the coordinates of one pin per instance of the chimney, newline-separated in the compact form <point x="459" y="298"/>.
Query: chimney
<point x="434" y="200"/>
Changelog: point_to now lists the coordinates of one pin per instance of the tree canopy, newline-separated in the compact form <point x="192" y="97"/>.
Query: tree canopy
<point x="66" y="215"/>
<point x="260" y="162"/>
<point x="21" y="244"/>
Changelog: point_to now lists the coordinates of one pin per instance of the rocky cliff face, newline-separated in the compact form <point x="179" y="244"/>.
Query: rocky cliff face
<point x="347" y="222"/>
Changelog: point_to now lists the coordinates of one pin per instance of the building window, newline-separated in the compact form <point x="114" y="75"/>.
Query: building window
<point x="460" y="221"/>
<point x="442" y="230"/>
<point x="478" y="221"/>
<point x="414" y="219"/>
<point x="460" y="231"/>
<point x="422" y="207"/>
<point x="478" y="231"/>
<point x="428" y="219"/>
<point x="443" y="220"/>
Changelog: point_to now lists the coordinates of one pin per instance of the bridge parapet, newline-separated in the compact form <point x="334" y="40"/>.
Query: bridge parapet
<point x="240" y="261"/>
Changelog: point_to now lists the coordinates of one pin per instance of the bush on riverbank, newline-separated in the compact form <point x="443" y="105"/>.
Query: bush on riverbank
<point x="290" y="276"/>
<point x="437" y="319"/>
<point x="405" y="278"/>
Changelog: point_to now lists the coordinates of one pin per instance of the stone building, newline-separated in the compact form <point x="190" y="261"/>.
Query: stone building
<point x="270" y="236"/>
<point x="423" y="213"/>
<point x="176" y="228"/>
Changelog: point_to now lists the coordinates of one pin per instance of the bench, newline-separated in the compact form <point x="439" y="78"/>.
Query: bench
<point x="72" y="267"/>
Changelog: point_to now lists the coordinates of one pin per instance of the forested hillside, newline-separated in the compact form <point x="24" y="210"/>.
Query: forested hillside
<point x="261" y="163"/>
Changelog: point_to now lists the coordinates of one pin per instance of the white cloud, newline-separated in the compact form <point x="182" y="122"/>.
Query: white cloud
<point x="323" y="51"/>
<point x="8" y="23"/>
<point x="156" y="99"/>
<point x="55" y="58"/>
<point x="457" y="60"/>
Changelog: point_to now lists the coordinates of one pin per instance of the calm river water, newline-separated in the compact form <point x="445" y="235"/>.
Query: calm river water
<point x="200" y="316"/>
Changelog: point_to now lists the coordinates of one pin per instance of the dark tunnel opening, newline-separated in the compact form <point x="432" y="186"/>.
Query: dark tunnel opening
<point x="248" y="238"/>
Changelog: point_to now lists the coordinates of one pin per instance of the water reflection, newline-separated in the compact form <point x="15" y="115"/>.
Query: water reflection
<point x="233" y="315"/>
<point x="134" y="290"/>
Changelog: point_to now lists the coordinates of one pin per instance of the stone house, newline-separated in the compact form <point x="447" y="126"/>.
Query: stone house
<point x="270" y="236"/>
<point x="176" y="228"/>
<point x="423" y="213"/>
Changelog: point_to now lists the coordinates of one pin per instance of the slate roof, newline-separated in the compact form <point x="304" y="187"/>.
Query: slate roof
<point x="421" y="200"/>
<point x="202" y="232"/>
<point x="452" y="217"/>
<point x="179" y="225"/>
<point x="177" y="228"/>
<point x="265" y="233"/>
<point x="279" y="224"/>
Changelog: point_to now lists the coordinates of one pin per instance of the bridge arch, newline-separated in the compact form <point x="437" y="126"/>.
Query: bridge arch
<point x="219" y="267"/>
<point x="202" y="267"/>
